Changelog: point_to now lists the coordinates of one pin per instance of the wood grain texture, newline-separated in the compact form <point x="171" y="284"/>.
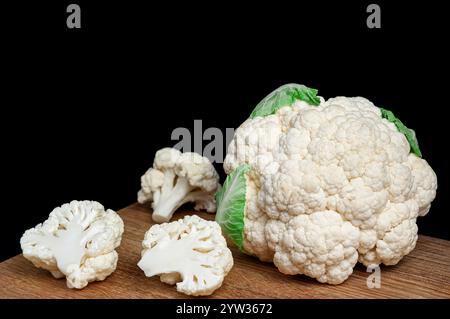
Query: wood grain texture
<point x="425" y="273"/>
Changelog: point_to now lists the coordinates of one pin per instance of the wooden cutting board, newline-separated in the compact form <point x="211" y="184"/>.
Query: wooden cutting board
<point x="424" y="273"/>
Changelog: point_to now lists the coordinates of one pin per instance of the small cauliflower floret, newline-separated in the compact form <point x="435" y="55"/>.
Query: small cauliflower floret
<point x="77" y="241"/>
<point x="395" y="235"/>
<point x="425" y="183"/>
<point x="190" y="252"/>
<point x="255" y="138"/>
<point x="255" y="220"/>
<point x="175" y="179"/>
<point x="321" y="245"/>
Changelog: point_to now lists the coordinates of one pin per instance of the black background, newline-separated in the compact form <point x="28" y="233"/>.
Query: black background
<point x="83" y="111"/>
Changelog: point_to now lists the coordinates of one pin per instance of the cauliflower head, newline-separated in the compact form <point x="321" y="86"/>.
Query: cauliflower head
<point x="175" y="179"/>
<point x="190" y="252"/>
<point x="316" y="185"/>
<point x="77" y="241"/>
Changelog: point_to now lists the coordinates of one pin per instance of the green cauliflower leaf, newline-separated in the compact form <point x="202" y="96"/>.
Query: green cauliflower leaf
<point x="231" y="202"/>
<point x="409" y="134"/>
<point x="285" y="95"/>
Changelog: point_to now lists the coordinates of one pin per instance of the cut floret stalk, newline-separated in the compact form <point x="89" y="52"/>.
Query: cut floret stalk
<point x="175" y="192"/>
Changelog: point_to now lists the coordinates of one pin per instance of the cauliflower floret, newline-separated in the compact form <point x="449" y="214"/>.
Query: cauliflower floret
<point x="424" y="183"/>
<point x="190" y="252"/>
<point x="344" y="158"/>
<point x="258" y="137"/>
<point x="295" y="189"/>
<point x="175" y="179"/>
<point x="395" y="235"/>
<point x="255" y="221"/>
<point x="321" y="245"/>
<point x="77" y="241"/>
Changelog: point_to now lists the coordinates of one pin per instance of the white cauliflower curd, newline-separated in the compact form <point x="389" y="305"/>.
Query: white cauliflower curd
<point x="316" y="185"/>
<point x="77" y="241"/>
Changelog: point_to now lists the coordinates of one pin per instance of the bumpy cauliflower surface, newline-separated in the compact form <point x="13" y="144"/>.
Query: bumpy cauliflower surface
<point x="317" y="185"/>
<point x="175" y="179"/>
<point x="190" y="252"/>
<point x="77" y="241"/>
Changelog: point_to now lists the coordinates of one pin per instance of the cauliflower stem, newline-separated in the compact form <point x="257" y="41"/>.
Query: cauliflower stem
<point x="74" y="235"/>
<point x="175" y="192"/>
